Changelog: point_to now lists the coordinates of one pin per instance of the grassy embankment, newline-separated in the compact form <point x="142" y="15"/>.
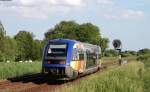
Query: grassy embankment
<point x="115" y="59"/>
<point x="14" y="69"/>
<point x="133" y="77"/>
<point x="126" y="78"/>
<point x="145" y="58"/>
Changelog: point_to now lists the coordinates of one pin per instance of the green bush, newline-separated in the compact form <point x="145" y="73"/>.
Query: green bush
<point x="1" y="57"/>
<point x="145" y="57"/>
<point x="111" y="53"/>
<point x="128" y="53"/>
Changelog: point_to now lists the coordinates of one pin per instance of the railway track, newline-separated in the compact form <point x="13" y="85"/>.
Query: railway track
<point x="40" y="83"/>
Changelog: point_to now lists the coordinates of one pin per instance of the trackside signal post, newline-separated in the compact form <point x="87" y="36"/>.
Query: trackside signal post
<point x="118" y="47"/>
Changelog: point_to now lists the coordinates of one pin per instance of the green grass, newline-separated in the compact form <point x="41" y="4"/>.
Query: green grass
<point x="15" y="69"/>
<point x="127" y="78"/>
<point x="146" y="75"/>
<point x="109" y="59"/>
<point x="145" y="59"/>
<point x="114" y="59"/>
<point x="146" y="80"/>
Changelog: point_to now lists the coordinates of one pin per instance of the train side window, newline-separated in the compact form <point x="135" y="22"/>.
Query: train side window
<point x="81" y="54"/>
<point x="75" y="54"/>
<point x="99" y="55"/>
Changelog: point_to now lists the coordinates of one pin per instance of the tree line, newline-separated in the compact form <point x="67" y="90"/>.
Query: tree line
<point x="142" y="54"/>
<point x="23" y="46"/>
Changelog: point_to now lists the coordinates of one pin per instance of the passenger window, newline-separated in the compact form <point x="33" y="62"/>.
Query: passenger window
<point x="81" y="54"/>
<point x="75" y="54"/>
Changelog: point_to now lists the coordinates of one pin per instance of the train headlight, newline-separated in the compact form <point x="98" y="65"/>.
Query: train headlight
<point x="62" y="62"/>
<point x="49" y="62"/>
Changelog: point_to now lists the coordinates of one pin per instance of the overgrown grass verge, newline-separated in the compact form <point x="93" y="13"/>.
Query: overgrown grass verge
<point x="15" y="69"/>
<point x="127" y="78"/>
<point x="109" y="59"/>
<point x="146" y="78"/>
<point x="115" y="59"/>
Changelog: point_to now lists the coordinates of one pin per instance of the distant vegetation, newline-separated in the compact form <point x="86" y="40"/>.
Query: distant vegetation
<point x="19" y="48"/>
<point x="24" y="47"/>
<point x="144" y="55"/>
<point x="140" y="54"/>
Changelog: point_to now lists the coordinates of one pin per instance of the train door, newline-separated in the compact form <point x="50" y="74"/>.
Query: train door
<point x="85" y="59"/>
<point x="91" y="59"/>
<point x="82" y="60"/>
<point x="78" y="60"/>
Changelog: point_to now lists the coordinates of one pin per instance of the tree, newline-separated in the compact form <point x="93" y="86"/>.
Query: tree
<point x="143" y="51"/>
<point x="9" y="48"/>
<point x="24" y="42"/>
<point x="86" y="32"/>
<point x="2" y="34"/>
<point x="37" y="50"/>
<point x="65" y="29"/>
<point x="2" y="58"/>
<point x="128" y="53"/>
<point x="104" y="44"/>
<point x="144" y="55"/>
<point x="2" y="31"/>
<point x="110" y="53"/>
<point x="4" y="43"/>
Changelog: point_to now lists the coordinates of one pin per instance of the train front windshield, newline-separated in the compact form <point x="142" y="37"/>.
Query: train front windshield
<point x="57" y="51"/>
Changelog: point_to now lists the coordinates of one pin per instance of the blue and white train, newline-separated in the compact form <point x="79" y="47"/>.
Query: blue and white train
<point x="64" y="58"/>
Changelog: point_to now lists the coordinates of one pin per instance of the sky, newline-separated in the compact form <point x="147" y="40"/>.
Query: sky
<point x="127" y="20"/>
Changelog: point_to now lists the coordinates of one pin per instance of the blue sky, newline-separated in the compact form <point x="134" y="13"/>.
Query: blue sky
<point x="127" y="20"/>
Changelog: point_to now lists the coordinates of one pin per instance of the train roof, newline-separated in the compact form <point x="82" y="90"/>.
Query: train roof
<point x="69" y="40"/>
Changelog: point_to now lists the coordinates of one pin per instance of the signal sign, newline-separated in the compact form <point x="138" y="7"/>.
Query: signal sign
<point x="117" y="44"/>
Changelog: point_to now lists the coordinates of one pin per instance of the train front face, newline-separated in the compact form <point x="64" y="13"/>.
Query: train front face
<point x="56" y="59"/>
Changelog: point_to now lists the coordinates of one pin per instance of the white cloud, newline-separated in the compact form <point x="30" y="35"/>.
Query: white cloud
<point x="109" y="16"/>
<point x="123" y="14"/>
<point x="39" y="8"/>
<point x="74" y="2"/>
<point x="113" y="10"/>
<point x="27" y="2"/>
<point x="105" y="2"/>
<point x="134" y="14"/>
<point x="49" y="2"/>
<point x="44" y="9"/>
